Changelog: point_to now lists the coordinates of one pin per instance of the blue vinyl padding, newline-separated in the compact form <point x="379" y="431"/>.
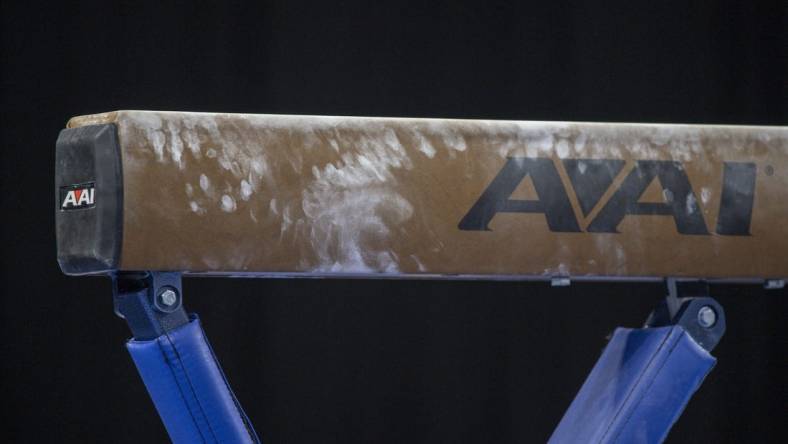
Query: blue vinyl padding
<point x="637" y="389"/>
<point x="189" y="389"/>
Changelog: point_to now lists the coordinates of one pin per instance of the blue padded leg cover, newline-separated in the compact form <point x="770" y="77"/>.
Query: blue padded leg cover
<point x="637" y="389"/>
<point x="189" y="389"/>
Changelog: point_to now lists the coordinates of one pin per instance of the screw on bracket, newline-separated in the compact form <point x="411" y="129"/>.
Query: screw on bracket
<point x="167" y="300"/>
<point x="707" y="317"/>
<point x="150" y="302"/>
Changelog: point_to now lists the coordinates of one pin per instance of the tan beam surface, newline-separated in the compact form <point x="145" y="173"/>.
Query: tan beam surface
<point x="235" y="193"/>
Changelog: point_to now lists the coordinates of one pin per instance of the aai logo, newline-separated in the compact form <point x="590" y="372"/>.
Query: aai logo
<point x="74" y="197"/>
<point x="592" y="183"/>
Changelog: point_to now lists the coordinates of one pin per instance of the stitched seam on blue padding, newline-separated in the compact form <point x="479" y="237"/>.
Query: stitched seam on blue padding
<point x="191" y="386"/>
<point x="643" y="392"/>
<point x="239" y="411"/>
<point x="180" y="390"/>
<point x="632" y="390"/>
<point x="656" y="374"/>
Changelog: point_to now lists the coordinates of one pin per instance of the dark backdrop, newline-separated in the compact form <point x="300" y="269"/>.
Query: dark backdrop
<point x="372" y="361"/>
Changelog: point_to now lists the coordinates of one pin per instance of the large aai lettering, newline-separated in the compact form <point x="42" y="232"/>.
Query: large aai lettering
<point x="591" y="178"/>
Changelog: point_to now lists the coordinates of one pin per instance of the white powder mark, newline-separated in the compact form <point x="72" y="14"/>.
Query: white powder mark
<point x="580" y="141"/>
<point x="237" y="153"/>
<point x="621" y="257"/>
<point x="251" y="215"/>
<point x="189" y="190"/>
<point x="387" y="262"/>
<point x="228" y="203"/>
<point x="541" y="139"/>
<point x="705" y="194"/>
<point x="364" y="162"/>
<point x="150" y="123"/>
<point x="286" y="221"/>
<point x="235" y="167"/>
<point x="204" y="182"/>
<point x="351" y="206"/>
<point x="259" y="165"/>
<point x="196" y="207"/>
<point x="454" y="140"/>
<point x="272" y="207"/>
<point x="562" y="149"/>
<point x="560" y="270"/>
<point x="225" y="162"/>
<point x="157" y="139"/>
<point x="192" y="141"/>
<point x="421" y="266"/>
<point x="667" y="195"/>
<point x="692" y="203"/>
<point x="581" y="166"/>
<point x="684" y="144"/>
<point x="661" y="135"/>
<point x="246" y="190"/>
<point x="334" y="145"/>
<point x="211" y="262"/>
<point x="425" y="146"/>
<point x="640" y="148"/>
<point x="229" y="157"/>
<point x="176" y="146"/>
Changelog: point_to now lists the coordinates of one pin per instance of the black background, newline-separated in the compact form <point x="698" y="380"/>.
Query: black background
<point x="372" y="361"/>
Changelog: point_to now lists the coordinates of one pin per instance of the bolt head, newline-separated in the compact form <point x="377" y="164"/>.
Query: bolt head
<point x="169" y="297"/>
<point x="707" y="317"/>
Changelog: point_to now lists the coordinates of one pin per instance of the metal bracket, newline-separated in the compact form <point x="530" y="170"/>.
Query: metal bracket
<point x="689" y="305"/>
<point x="150" y="302"/>
<point x="645" y="377"/>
